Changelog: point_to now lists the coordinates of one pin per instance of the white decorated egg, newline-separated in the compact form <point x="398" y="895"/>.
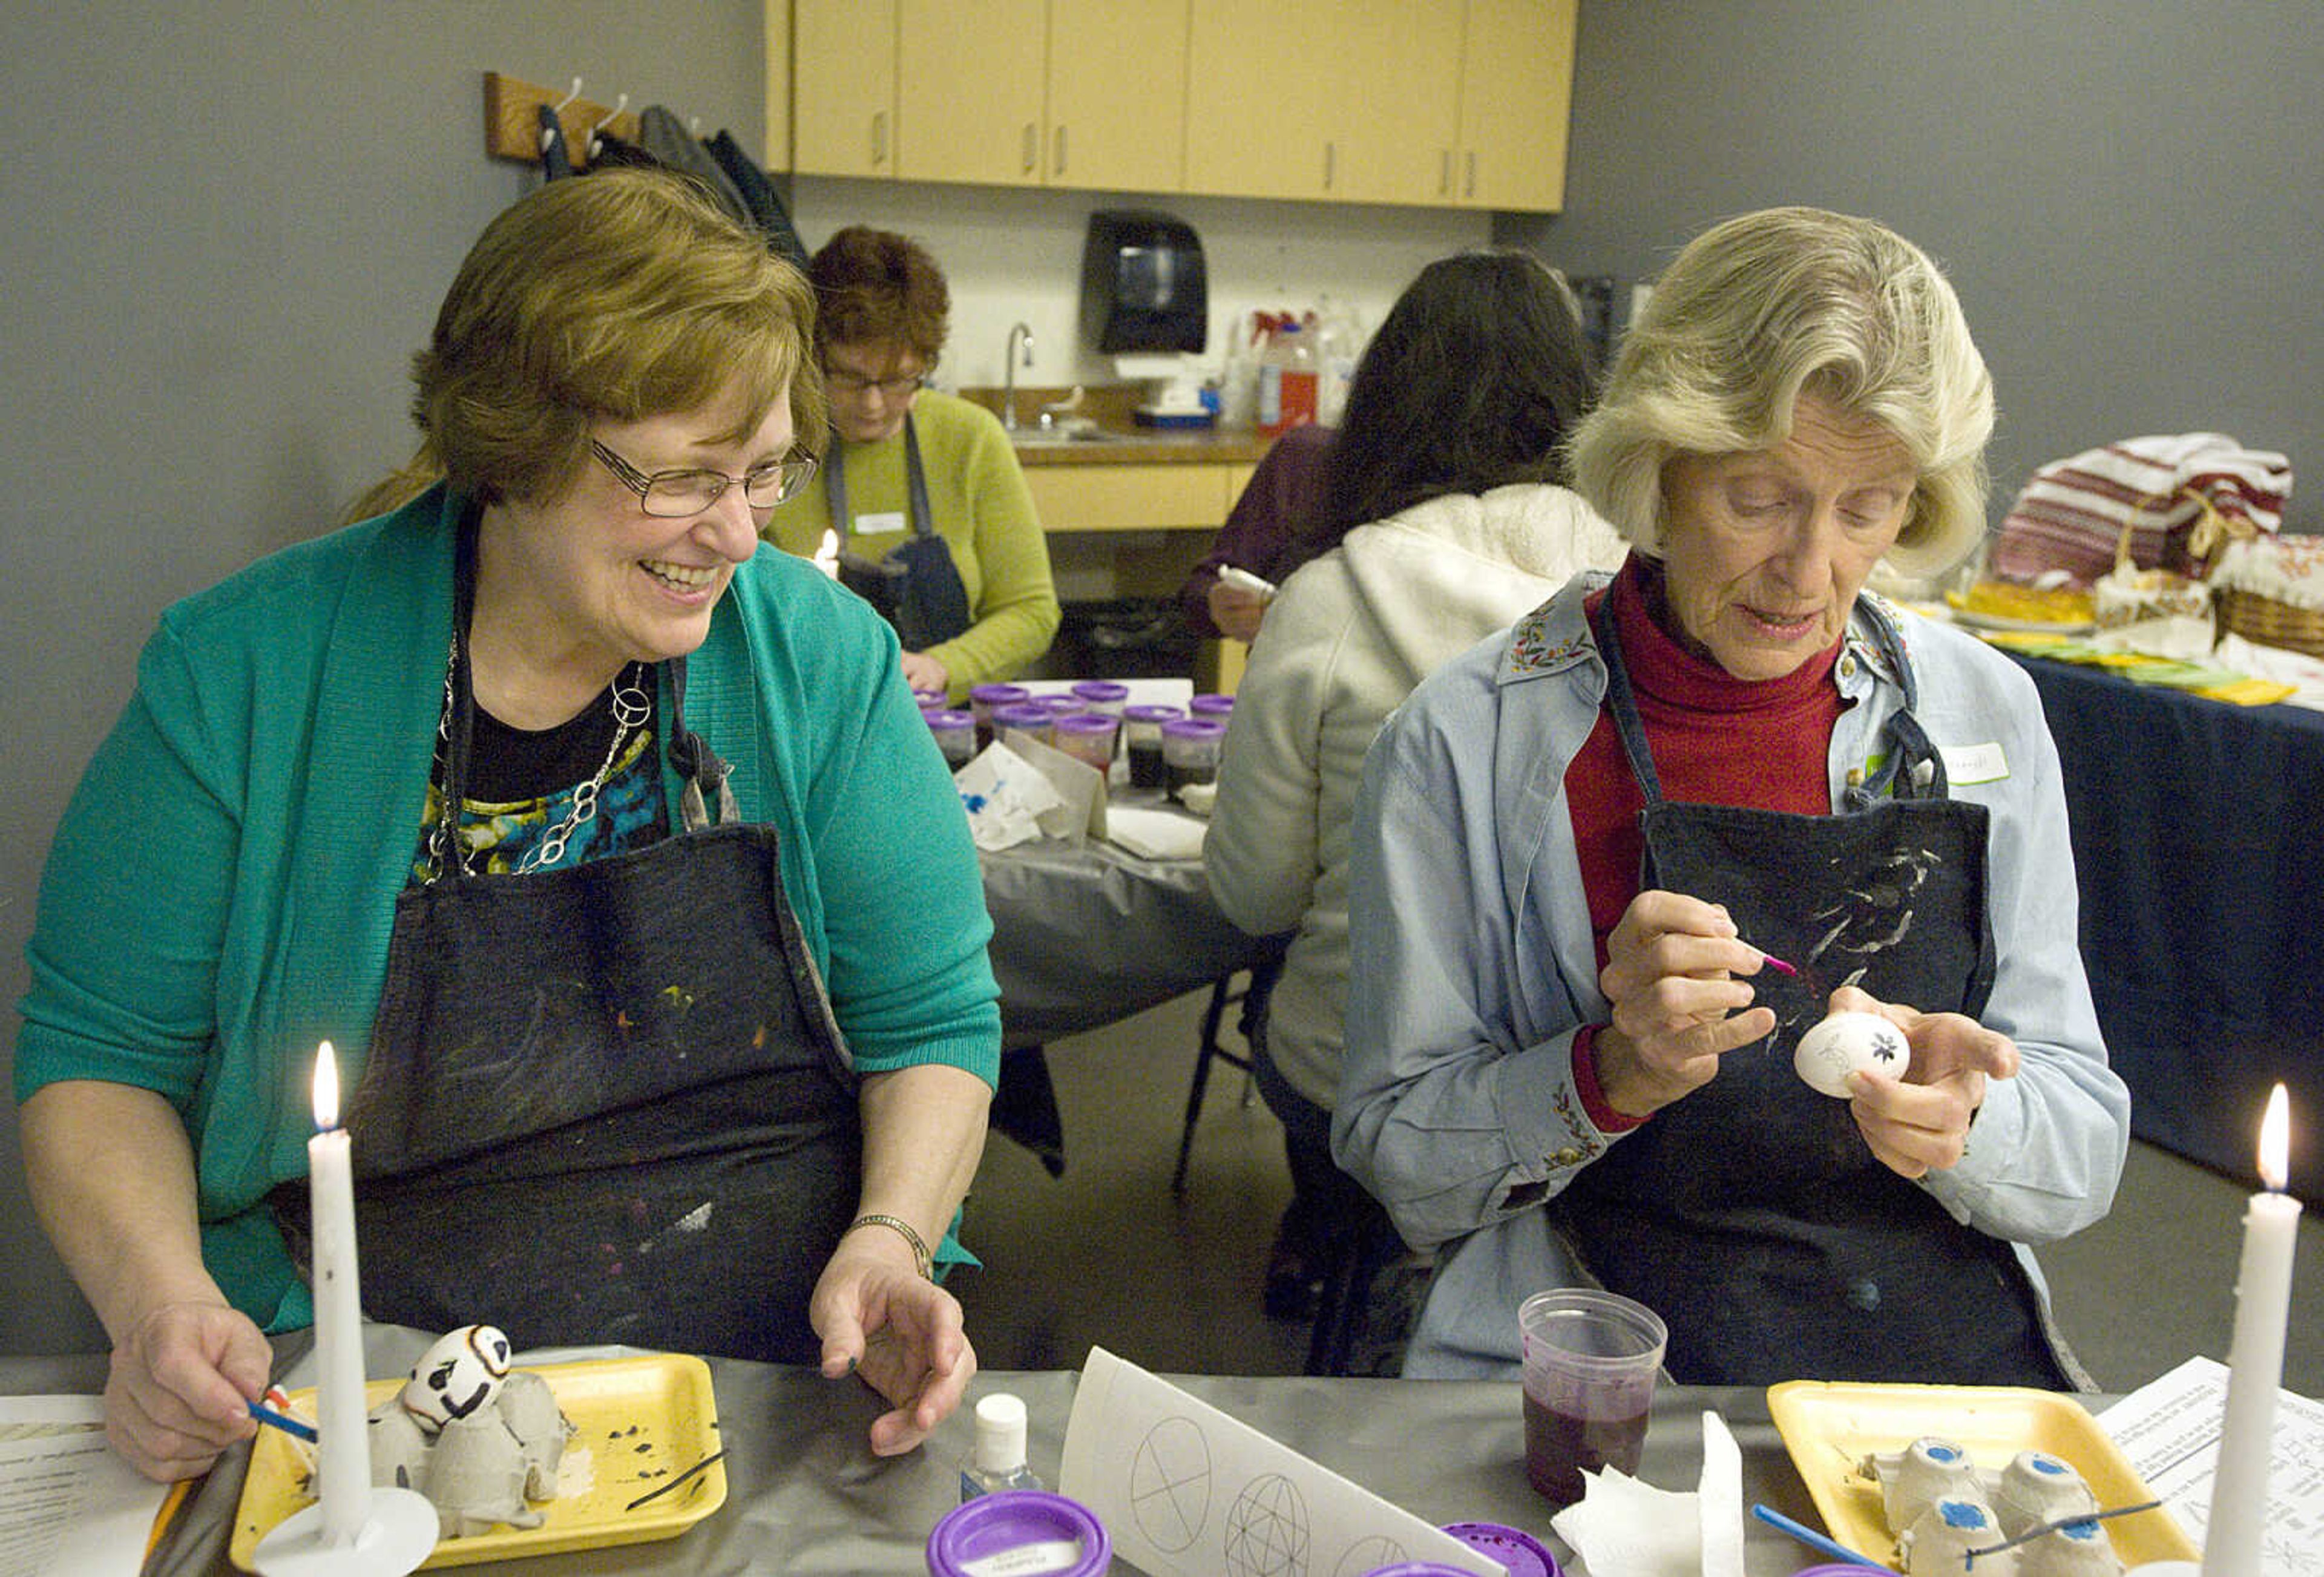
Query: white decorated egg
<point x="1845" y="1042"/>
<point x="456" y="1375"/>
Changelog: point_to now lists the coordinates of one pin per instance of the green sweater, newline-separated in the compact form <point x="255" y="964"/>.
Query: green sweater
<point x="984" y="512"/>
<point x="218" y="898"/>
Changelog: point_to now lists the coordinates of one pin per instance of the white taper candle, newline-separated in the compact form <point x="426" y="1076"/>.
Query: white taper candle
<point x="2231" y="1540"/>
<point x="343" y="1467"/>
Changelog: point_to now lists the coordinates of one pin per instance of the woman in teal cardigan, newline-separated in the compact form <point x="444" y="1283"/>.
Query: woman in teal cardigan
<point x="640" y="709"/>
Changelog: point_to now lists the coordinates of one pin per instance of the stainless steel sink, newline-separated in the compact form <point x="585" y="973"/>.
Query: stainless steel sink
<point x="1029" y="437"/>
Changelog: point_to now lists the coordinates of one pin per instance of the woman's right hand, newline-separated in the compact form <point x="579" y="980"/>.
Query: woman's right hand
<point x="1671" y="963"/>
<point x="180" y="1388"/>
<point x="1236" y="611"/>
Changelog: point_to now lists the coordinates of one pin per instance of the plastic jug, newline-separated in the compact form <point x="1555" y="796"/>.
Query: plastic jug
<point x="1287" y="381"/>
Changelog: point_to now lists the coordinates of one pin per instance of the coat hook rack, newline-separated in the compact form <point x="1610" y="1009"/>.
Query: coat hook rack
<point x="512" y="119"/>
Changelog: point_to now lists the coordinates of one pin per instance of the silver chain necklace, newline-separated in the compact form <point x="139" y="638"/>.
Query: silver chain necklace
<point x="632" y="706"/>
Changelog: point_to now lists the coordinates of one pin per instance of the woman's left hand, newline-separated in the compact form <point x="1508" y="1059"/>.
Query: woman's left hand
<point x="1921" y="1121"/>
<point x="923" y="672"/>
<point x="899" y="1332"/>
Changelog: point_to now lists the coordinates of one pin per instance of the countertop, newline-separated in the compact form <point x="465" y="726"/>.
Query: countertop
<point x="1118" y="441"/>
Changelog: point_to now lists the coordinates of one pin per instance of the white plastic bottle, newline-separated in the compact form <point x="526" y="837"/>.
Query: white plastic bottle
<point x="998" y="1462"/>
<point x="1286" y="381"/>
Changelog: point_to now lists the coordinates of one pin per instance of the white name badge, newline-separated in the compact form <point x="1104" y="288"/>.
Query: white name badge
<point x="1974" y="764"/>
<point x="874" y="525"/>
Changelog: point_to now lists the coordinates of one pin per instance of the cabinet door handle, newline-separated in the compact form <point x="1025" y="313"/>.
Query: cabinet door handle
<point x="878" y="136"/>
<point x="1032" y="147"/>
<point x="1471" y="191"/>
<point x="1061" y="151"/>
<point x="1329" y="149"/>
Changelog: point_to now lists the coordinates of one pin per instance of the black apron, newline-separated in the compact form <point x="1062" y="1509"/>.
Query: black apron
<point x="607" y="1103"/>
<point x="917" y="587"/>
<point x="1751" y="1213"/>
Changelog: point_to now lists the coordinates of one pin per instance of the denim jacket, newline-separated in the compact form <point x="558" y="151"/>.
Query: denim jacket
<point x="1473" y="963"/>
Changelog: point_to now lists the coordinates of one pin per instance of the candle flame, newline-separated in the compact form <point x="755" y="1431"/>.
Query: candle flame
<point x="327" y="1088"/>
<point x="827" y="558"/>
<point x="2275" y="1141"/>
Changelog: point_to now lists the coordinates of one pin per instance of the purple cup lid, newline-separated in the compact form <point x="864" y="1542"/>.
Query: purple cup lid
<point x="1147" y="712"/>
<point x="1101" y="690"/>
<point x="1524" y="1554"/>
<point x="998" y="694"/>
<point x="940" y="718"/>
<point x="1022" y="714"/>
<point x="1211" y="706"/>
<point x="1085" y="723"/>
<point x="1194" y="728"/>
<point x="1023" y="1522"/>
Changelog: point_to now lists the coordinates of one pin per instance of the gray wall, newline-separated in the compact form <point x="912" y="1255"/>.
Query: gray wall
<point x="224" y="229"/>
<point x="2127" y="196"/>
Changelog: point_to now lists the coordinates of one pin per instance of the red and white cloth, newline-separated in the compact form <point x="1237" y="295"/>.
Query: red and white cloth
<point x="2071" y="515"/>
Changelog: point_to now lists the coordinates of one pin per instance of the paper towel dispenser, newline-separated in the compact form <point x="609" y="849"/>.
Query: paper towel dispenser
<point x="1143" y="286"/>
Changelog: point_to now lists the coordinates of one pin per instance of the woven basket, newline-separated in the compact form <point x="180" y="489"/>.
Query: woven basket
<point x="2269" y="622"/>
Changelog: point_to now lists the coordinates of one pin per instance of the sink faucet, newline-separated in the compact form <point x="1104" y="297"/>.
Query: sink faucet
<point x="1009" y="372"/>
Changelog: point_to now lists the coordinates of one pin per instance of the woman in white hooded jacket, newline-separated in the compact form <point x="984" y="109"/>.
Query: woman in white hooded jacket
<point x="1440" y="522"/>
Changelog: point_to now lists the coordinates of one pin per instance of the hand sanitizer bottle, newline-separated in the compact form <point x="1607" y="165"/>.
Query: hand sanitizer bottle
<point x="998" y="1460"/>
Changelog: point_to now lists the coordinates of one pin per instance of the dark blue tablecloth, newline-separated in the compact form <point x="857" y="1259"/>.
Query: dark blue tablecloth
<point x="2199" y="847"/>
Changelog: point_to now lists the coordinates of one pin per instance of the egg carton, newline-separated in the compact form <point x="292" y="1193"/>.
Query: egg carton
<point x="1949" y="1515"/>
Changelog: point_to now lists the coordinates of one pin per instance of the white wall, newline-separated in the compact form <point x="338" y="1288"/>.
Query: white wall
<point x="1016" y="255"/>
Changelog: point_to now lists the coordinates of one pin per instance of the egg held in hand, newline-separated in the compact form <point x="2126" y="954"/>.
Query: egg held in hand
<point x="1845" y="1042"/>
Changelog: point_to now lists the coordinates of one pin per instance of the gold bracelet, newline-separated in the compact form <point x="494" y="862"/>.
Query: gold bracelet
<point x="920" y="1249"/>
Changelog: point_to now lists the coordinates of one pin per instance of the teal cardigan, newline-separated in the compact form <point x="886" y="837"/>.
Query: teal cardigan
<point x="218" y="898"/>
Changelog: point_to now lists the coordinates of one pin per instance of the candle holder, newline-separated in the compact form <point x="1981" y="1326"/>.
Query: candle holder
<point x="399" y="1531"/>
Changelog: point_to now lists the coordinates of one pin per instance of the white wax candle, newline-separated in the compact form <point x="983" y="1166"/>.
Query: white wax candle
<point x="343" y="1468"/>
<point x="2231" y="1543"/>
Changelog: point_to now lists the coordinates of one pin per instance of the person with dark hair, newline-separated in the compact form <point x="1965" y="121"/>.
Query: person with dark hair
<point x="907" y="463"/>
<point x="1280" y="495"/>
<point x="543" y="798"/>
<point x="1441" y="519"/>
<point x="1607" y="868"/>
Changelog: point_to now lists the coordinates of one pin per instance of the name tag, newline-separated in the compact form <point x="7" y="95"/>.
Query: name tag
<point x="1974" y="764"/>
<point x="874" y="525"/>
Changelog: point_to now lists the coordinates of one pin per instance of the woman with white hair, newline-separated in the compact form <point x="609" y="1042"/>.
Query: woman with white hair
<point x="1568" y="1059"/>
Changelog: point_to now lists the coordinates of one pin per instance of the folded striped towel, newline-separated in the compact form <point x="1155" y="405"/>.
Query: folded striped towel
<point x="2072" y="514"/>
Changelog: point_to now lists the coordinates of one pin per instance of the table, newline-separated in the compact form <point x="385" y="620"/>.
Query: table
<point x="1085" y="935"/>
<point x="806" y="1495"/>
<point x="2199" y="849"/>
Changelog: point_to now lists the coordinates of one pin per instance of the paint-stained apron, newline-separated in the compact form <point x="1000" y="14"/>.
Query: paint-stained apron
<point x="1751" y="1213"/>
<point x="607" y="1103"/>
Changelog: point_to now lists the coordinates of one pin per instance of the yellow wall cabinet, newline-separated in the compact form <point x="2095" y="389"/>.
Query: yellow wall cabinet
<point x="1087" y="93"/>
<point x="1382" y="101"/>
<point x="1517" y="92"/>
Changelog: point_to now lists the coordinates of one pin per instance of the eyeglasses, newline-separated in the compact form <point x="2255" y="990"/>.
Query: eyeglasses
<point x="675" y="495"/>
<point x="856" y="383"/>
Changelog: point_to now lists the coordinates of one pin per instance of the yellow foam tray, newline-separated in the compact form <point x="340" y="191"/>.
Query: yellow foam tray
<point x="1828" y="1428"/>
<point x="638" y="1423"/>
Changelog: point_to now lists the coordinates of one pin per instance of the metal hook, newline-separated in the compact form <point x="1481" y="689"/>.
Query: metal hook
<point x="549" y="137"/>
<point x="597" y="132"/>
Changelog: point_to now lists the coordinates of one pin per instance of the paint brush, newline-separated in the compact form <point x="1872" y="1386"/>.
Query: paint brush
<point x="284" y="1422"/>
<point x="1813" y="1539"/>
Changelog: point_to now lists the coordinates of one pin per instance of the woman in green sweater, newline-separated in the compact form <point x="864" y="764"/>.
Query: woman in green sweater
<point x="604" y="844"/>
<point x="880" y="307"/>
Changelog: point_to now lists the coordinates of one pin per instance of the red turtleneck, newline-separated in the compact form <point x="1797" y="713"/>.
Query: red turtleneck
<point x="1716" y="740"/>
